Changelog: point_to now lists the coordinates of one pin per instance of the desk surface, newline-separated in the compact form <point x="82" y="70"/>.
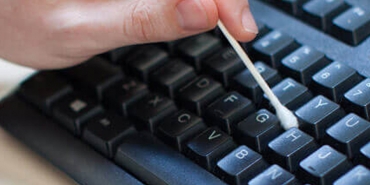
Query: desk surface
<point x="18" y="164"/>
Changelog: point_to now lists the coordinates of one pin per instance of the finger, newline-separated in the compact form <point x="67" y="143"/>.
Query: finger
<point x="118" y="23"/>
<point x="236" y="16"/>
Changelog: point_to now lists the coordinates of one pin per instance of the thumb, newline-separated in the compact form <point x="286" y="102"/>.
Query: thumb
<point x="140" y="21"/>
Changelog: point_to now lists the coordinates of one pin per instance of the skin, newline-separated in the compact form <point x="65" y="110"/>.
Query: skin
<point x="46" y="34"/>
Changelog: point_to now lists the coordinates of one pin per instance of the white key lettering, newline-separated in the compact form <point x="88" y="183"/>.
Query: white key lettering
<point x="213" y="135"/>
<point x="77" y="105"/>
<point x="321" y="103"/>
<point x="350" y="124"/>
<point x="324" y="156"/>
<point x="241" y="154"/>
<point x="274" y="173"/>
<point x="262" y="117"/>
<point x="183" y="118"/>
<point x="232" y="98"/>
<point x="293" y="135"/>
<point x="203" y="83"/>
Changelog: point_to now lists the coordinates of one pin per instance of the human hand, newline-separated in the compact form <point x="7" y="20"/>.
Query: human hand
<point x="59" y="33"/>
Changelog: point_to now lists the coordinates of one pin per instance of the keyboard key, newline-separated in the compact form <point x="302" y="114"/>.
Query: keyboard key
<point x="245" y="83"/>
<point x="365" y="155"/>
<point x="123" y="94"/>
<point x="359" y="175"/>
<point x="156" y="164"/>
<point x="324" y="166"/>
<point x="105" y="131"/>
<point x="334" y="80"/>
<point x="228" y="110"/>
<point x="44" y="88"/>
<point x="273" y="47"/>
<point x="149" y="111"/>
<point x="288" y="149"/>
<point x="239" y="166"/>
<point x="118" y="55"/>
<point x="303" y="63"/>
<point x="94" y="76"/>
<point x="258" y="130"/>
<point x="357" y="99"/>
<point x="274" y="175"/>
<point x="320" y="13"/>
<point x="223" y="65"/>
<point x="291" y="6"/>
<point x="199" y="93"/>
<point x="171" y="76"/>
<point x="144" y="60"/>
<point x="197" y="48"/>
<point x="290" y="93"/>
<point x="209" y="146"/>
<point x="73" y="110"/>
<point x="318" y="115"/>
<point x="179" y="128"/>
<point x="349" y="134"/>
<point x="353" y="26"/>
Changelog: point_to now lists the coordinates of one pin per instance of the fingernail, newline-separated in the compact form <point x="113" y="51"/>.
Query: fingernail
<point x="191" y="15"/>
<point x="248" y="21"/>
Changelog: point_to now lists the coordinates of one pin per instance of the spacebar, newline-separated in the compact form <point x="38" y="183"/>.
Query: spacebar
<point x="155" y="163"/>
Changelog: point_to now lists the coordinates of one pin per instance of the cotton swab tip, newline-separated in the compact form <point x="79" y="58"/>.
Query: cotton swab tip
<point x="286" y="117"/>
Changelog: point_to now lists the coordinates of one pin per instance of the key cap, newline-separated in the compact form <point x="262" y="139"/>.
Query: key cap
<point x="274" y="175"/>
<point x="228" y="110"/>
<point x="197" y="48"/>
<point x="239" y="166"/>
<point x="171" y="76"/>
<point x="273" y="47"/>
<point x="324" y="166"/>
<point x="149" y="111"/>
<point x="288" y="149"/>
<point x="199" y="93"/>
<point x="157" y="164"/>
<point x="44" y="88"/>
<point x="290" y="93"/>
<point x="86" y="77"/>
<point x="365" y="155"/>
<point x="258" y="130"/>
<point x="359" y="175"/>
<point x="245" y="83"/>
<point x="357" y="99"/>
<point x="208" y="147"/>
<point x="352" y="26"/>
<point x="318" y="115"/>
<point x="223" y="65"/>
<point x="105" y="131"/>
<point x="144" y="60"/>
<point x="303" y="63"/>
<point x="334" y="80"/>
<point x="349" y="134"/>
<point x="123" y="94"/>
<point x="320" y="13"/>
<point x="118" y="55"/>
<point x="293" y="7"/>
<point x="179" y="128"/>
<point x="73" y="110"/>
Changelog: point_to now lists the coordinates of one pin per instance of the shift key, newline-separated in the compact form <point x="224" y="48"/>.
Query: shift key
<point x="155" y="163"/>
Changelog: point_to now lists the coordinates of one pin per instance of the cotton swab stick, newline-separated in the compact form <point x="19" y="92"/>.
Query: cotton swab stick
<point x="286" y="117"/>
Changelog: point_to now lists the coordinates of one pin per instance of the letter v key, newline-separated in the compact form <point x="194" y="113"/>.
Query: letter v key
<point x="213" y="135"/>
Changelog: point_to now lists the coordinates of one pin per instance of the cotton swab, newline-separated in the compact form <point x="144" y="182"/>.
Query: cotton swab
<point x="286" y="117"/>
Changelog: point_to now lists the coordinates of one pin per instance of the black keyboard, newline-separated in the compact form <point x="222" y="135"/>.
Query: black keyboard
<point x="188" y="112"/>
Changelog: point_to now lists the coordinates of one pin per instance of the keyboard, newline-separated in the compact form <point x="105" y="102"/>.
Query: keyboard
<point x="188" y="112"/>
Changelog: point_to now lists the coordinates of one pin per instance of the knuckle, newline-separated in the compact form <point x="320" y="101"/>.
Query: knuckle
<point x="141" y="24"/>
